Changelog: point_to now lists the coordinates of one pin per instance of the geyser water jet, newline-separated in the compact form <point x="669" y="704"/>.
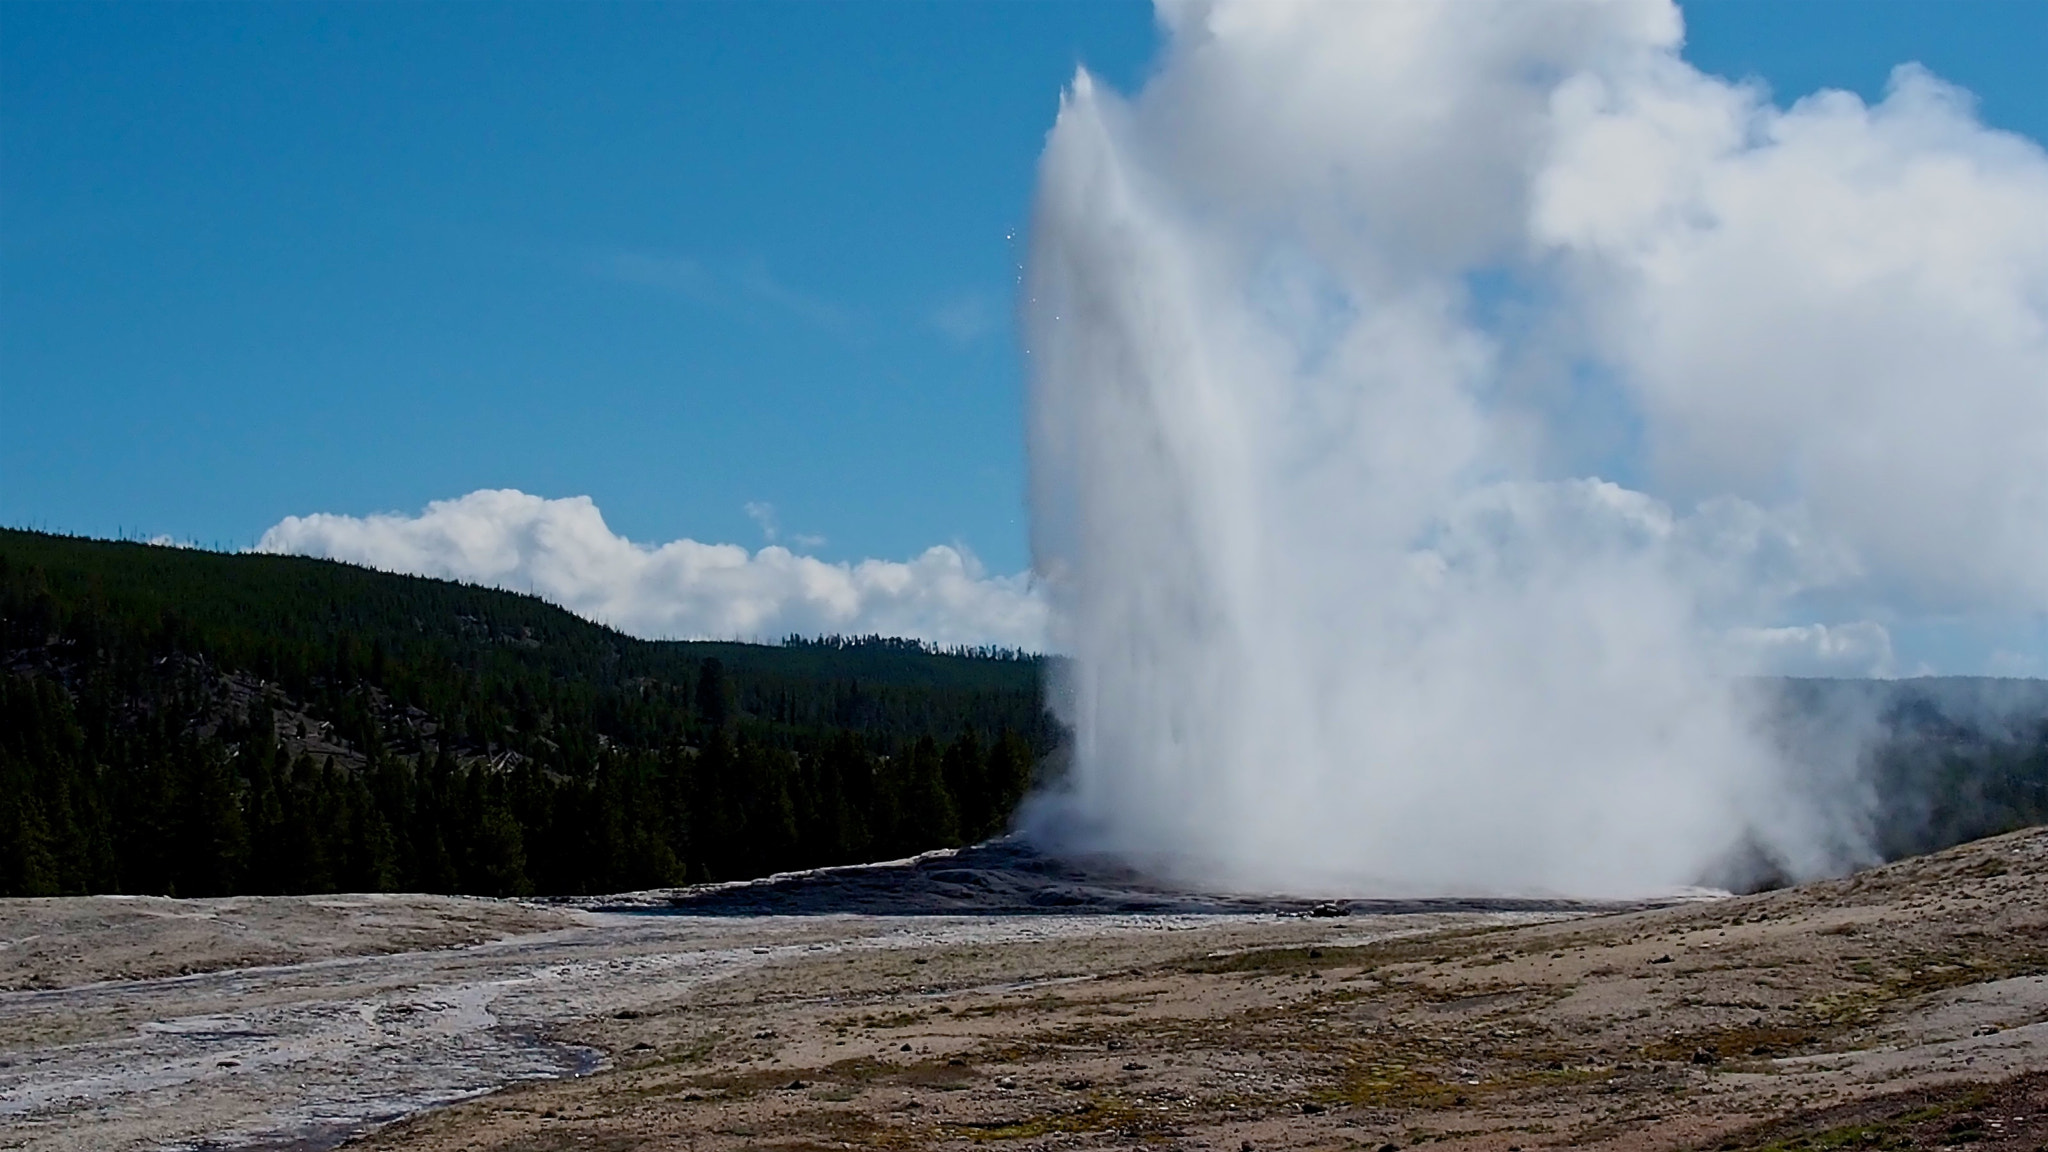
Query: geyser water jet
<point x="1434" y="416"/>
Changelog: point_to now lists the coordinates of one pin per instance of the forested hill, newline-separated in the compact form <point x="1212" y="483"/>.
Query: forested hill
<point x="190" y="722"/>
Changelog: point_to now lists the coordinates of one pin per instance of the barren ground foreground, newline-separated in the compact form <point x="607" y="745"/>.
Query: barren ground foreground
<point x="1903" y="1007"/>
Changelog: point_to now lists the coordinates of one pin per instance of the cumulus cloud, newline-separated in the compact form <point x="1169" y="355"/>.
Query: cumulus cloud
<point x="562" y="550"/>
<point x="1837" y="304"/>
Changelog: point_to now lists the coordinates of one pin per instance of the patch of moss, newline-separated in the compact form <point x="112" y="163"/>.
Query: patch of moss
<point x="1397" y="1086"/>
<point x="1948" y="1121"/>
<point x="1734" y="1043"/>
<point x="1909" y="976"/>
<point x="1097" y="1115"/>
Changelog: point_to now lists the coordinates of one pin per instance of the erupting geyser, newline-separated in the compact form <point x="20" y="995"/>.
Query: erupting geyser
<point x="1437" y="409"/>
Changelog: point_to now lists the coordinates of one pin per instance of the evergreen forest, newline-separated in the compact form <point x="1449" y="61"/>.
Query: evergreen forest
<point x="192" y="723"/>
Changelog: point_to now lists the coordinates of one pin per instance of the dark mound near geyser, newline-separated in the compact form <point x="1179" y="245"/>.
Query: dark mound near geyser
<point x="1009" y="877"/>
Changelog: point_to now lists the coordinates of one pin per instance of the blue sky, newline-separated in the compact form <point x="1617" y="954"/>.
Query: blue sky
<point x="267" y="260"/>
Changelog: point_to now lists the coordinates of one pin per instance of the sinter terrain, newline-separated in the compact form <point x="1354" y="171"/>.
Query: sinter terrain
<point x="1903" y="1007"/>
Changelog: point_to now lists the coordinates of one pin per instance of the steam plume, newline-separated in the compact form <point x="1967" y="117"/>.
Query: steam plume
<point x="1436" y="408"/>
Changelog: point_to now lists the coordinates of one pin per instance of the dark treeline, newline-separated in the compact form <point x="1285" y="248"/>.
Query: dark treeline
<point x="192" y="723"/>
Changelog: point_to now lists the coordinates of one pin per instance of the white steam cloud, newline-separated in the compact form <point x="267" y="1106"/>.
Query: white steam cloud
<point x="563" y="551"/>
<point x="1437" y="407"/>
